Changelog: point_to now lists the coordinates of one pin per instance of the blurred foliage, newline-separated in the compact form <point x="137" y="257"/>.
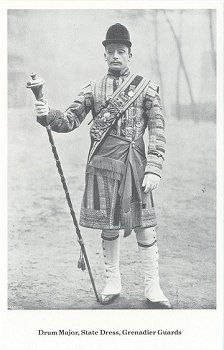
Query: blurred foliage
<point x="65" y="48"/>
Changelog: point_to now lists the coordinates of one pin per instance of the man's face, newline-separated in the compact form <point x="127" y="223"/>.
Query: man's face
<point x="117" y="56"/>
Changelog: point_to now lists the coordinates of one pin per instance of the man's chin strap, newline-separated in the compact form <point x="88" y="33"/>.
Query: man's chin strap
<point x="111" y="252"/>
<point x="148" y="250"/>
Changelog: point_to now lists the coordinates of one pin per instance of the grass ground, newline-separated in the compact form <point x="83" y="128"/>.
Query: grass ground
<point x="42" y="246"/>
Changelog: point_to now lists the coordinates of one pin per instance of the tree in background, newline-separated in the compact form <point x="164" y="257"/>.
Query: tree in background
<point x="175" y="48"/>
<point x="182" y="63"/>
<point x="178" y="110"/>
<point x="213" y="53"/>
<point x="157" y="60"/>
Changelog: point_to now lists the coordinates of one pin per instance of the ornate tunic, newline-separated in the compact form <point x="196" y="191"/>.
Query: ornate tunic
<point x="109" y="187"/>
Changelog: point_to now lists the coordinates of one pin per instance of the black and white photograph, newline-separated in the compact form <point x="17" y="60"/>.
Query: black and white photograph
<point x="112" y="183"/>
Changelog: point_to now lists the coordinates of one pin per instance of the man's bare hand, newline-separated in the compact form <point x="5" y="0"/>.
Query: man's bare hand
<point x="150" y="182"/>
<point x="41" y="108"/>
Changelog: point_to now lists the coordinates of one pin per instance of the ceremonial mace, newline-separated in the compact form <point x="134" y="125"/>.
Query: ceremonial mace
<point x="36" y="85"/>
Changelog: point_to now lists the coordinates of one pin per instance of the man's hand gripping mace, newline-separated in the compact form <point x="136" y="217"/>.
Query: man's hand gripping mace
<point x="36" y="85"/>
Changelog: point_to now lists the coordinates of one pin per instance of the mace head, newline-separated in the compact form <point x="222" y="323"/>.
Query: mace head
<point x="36" y="85"/>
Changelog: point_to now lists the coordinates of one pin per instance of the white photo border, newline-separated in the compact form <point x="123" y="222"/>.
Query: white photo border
<point x="200" y="328"/>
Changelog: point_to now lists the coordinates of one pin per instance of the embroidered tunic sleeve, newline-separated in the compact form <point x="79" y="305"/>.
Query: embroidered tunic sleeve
<point x="74" y="114"/>
<point x="156" y="129"/>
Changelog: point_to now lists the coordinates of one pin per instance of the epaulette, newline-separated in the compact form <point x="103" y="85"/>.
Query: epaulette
<point x="87" y="88"/>
<point x="153" y="89"/>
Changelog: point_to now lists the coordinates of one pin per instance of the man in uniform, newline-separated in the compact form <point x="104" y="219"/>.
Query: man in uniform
<point x="120" y="177"/>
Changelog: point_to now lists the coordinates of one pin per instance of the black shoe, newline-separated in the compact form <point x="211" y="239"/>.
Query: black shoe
<point x="108" y="299"/>
<point x="159" y="304"/>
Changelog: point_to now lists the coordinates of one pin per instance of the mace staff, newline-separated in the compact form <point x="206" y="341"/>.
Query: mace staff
<point x="36" y="85"/>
